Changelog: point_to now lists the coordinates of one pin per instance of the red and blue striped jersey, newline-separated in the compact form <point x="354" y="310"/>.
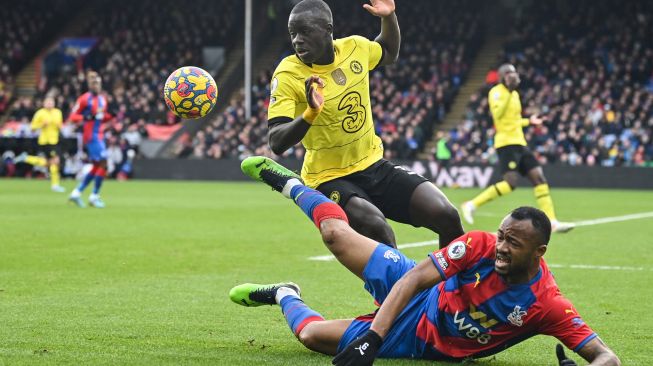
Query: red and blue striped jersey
<point x="473" y="312"/>
<point x="91" y="110"/>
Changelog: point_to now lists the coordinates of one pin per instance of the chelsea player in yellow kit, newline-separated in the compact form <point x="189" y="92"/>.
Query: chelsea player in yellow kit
<point x="48" y="120"/>
<point x="320" y="96"/>
<point x="514" y="156"/>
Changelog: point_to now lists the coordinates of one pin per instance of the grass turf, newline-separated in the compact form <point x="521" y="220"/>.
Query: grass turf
<point x="145" y="281"/>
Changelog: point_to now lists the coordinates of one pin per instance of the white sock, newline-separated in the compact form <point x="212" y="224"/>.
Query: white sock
<point x="283" y="292"/>
<point x="93" y="196"/>
<point x="289" y="184"/>
<point x="75" y="193"/>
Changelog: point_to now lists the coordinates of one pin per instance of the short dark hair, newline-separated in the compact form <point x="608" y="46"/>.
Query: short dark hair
<point x="316" y="7"/>
<point x="540" y="222"/>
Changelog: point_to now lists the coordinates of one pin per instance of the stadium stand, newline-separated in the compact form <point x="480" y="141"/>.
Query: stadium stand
<point x="22" y="32"/>
<point x="590" y="71"/>
<point x="135" y="53"/>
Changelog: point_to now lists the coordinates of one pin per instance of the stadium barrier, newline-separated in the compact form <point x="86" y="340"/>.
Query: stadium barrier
<point x="30" y="145"/>
<point x="455" y="175"/>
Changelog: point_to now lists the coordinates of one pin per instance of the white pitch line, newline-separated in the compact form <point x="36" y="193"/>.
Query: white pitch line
<point x="328" y="258"/>
<point x="604" y="220"/>
<point x="606" y="268"/>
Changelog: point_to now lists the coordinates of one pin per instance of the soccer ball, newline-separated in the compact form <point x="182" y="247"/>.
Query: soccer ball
<point x="190" y="92"/>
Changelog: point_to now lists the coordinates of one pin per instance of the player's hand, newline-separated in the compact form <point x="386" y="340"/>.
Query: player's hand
<point x="314" y="97"/>
<point x="562" y="358"/>
<point x="536" y="120"/>
<point x="380" y="8"/>
<point x="360" y="352"/>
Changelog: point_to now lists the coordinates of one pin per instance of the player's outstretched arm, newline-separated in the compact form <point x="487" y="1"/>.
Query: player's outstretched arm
<point x="363" y="350"/>
<point x="424" y="275"/>
<point x="597" y="353"/>
<point x="390" y="36"/>
<point x="284" y="135"/>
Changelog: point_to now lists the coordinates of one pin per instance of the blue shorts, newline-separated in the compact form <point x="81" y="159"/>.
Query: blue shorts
<point x="96" y="150"/>
<point x="385" y="267"/>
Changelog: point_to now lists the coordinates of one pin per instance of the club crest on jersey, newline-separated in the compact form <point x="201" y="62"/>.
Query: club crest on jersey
<point x="515" y="318"/>
<point x="456" y="250"/>
<point x="339" y="76"/>
<point x="356" y="67"/>
<point x="389" y="254"/>
<point x="577" y="322"/>
<point x="335" y="196"/>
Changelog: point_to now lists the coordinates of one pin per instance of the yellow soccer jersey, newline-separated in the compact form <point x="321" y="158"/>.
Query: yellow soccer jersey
<point x="49" y="122"/>
<point x="506" y="112"/>
<point x="341" y="140"/>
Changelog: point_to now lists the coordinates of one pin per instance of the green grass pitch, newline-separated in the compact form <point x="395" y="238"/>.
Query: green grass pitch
<point x="145" y="281"/>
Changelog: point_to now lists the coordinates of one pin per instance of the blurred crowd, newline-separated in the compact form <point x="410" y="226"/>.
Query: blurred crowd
<point x="409" y="98"/>
<point x="21" y="33"/>
<point x="139" y="44"/>
<point x="589" y="70"/>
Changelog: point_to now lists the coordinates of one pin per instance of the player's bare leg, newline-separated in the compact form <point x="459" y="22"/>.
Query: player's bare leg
<point x="350" y="248"/>
<point x="430" y="208"/>
<point x="369" y="221"/>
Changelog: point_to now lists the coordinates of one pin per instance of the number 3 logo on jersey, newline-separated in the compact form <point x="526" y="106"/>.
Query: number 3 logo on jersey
<point x="355" y="117"/>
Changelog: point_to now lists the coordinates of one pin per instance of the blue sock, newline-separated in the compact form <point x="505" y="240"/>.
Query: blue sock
<point x="298" y="314"/>
<point x="307" y="199"/>
<point x="98" y="184"/>
<point x="87" y="180"/>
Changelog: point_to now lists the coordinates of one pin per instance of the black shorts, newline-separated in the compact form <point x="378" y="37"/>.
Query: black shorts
<point x="386" y="185"/>
<point x="516" y="158"/>
<point x="49" y="151"/>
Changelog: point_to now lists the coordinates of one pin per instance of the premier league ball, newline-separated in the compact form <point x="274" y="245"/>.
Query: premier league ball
<point x="190" y="92"/>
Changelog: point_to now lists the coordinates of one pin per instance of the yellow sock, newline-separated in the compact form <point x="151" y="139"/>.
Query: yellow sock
<point x="54" y="175"/>
<point x="499" y="189"/>
<point x="544" y="200"/>
<point x="36" y="160"/>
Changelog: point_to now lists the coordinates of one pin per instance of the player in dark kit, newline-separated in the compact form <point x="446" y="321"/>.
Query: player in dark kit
<point x="320" y="96"/>
<point x="478" y="296"/>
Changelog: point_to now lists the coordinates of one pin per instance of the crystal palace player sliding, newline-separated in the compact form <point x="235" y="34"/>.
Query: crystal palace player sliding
<point x="478" y="296"/>
<point x="91" y="111"/>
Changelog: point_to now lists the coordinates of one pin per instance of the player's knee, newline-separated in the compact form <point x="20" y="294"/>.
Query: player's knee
<point x="539" y="180"/>
<point x="310" y="338"/>
<point x="377" y="228"/>
<point x="333" y="231"/>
